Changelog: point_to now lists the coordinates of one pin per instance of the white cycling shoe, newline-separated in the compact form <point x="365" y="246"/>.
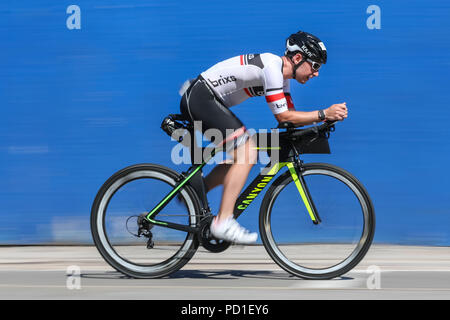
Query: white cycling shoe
<point x="230" y="230"/>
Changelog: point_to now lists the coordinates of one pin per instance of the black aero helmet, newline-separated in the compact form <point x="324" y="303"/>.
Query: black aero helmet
<point x="308" y="45"/>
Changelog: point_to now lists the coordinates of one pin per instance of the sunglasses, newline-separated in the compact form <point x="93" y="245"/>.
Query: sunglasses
<point x="315" y="65"/>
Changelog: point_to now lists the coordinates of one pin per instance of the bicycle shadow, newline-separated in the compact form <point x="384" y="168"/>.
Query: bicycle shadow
<point x="236" y="274"/>
<point x="210" y="274"/>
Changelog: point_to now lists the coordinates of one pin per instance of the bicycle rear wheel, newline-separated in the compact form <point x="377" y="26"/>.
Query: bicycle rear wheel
<point x="129" y="194"/>
<point x="330" y="248"/>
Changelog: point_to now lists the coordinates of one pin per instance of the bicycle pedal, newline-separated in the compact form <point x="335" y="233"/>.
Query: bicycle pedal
<point x="150" y="244"/>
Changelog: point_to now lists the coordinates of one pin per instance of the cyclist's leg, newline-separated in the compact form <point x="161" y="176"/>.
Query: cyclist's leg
<point x="217" y="175"/>
<point x="224" y="226"/>
<point x="199" y="103"/>
<point x="244" y="157"/>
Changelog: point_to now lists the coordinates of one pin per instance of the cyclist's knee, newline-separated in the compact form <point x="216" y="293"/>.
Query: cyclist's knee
<point x="246" y="153"/>
<point x="253" y="152"/>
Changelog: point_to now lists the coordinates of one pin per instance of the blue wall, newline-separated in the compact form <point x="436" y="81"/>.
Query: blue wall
<point x="77" y="105"/>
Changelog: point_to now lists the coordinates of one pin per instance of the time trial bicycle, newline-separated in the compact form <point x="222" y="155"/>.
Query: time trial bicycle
<point x="316" y="220"/>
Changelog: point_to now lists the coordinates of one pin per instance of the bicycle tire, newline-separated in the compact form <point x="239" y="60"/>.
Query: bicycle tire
<point x="323" y="273"/>
<point x="101" y="240"/>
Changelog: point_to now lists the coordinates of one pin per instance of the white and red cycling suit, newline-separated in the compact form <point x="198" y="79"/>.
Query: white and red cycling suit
<point x="236" y="79"/>
<point x="231" y="82"/>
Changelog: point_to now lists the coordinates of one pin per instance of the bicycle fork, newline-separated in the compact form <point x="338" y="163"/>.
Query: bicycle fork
<point x="296" y="173"/>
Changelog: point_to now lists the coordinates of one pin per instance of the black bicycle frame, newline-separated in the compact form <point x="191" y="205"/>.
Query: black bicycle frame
<point x="194" y="178"/>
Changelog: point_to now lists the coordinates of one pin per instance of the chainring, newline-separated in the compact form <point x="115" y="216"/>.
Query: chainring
<point x="208" y="241"/>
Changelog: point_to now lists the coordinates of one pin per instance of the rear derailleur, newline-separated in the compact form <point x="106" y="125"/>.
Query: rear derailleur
<point x="144" y="227"/>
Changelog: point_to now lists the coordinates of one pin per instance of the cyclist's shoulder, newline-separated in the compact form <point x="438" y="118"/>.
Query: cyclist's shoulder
<point x="272" y="62"/>
<point x="273" y="67"/>
<point x="266" y="59"/>
<point x="271" y="59"/>
<point x="270" y="56"/>
<point x="259" y="59"/>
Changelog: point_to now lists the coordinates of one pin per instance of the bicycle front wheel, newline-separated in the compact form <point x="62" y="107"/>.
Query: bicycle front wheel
<point x="124" y="199"/>
<point x="330" y="248"/>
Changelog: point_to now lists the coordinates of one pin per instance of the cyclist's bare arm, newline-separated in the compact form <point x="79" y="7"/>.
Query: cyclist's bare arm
<point x="302" y="118"/>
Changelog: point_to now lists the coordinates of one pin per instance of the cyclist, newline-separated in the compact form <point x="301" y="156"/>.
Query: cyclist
<point x="228" y="83"/>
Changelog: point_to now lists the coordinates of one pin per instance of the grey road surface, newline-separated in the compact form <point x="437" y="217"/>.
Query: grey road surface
<point x="241" y="272"/>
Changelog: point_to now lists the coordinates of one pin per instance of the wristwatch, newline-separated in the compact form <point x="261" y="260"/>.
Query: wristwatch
<point x="321" y="115"/>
